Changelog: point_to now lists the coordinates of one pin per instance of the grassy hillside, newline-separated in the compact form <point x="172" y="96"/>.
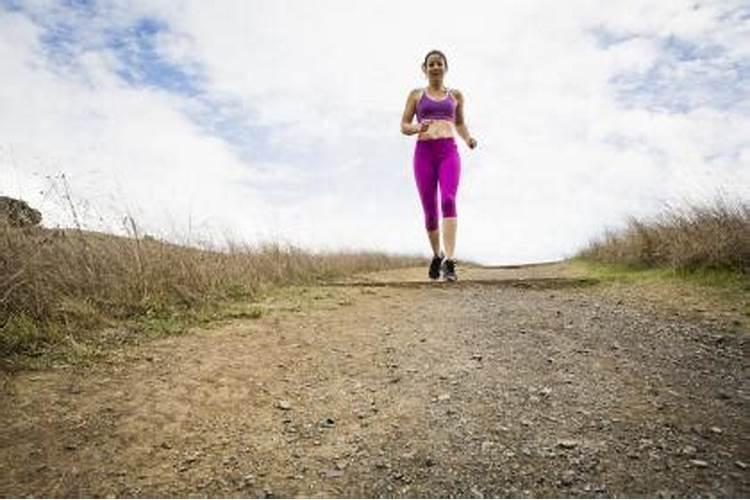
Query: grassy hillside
<point x="693" y="240"/>
<point x="61" y="287"/>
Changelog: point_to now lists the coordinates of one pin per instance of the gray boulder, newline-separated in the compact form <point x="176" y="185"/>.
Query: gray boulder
<point x="18" y="213"/>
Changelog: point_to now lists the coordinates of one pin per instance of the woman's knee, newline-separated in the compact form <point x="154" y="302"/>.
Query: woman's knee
<point x="448" y="206"/>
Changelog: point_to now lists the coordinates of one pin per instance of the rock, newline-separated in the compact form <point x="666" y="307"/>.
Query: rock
<point x="476" y="492"/>
<point x="476" y="357"/>
<point x="327" y="422"/>
<point x="568" y="477"/>
<point x="716" y="430"/>
<point x="333" y="473"/>
<point x="689" y="450"/>
<point x="18" y="213"/>
<point x="567" y="444"/>
<point x="723" y="394"/>
<point x="444" y="397"/>
<point x="699" y="463"/>
<point x="742" y="465"/>
<point x="284" y="405"/>
<point x="429" y="462"/>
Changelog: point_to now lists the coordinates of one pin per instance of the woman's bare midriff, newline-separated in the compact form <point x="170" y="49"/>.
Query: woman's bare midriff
<point x="439" y="129"/>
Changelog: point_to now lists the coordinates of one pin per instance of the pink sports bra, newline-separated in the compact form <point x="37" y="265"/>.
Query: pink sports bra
<point x="431" y="109"/>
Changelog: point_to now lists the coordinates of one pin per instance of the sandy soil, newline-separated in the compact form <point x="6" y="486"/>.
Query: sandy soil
<point x="511" y="382"/>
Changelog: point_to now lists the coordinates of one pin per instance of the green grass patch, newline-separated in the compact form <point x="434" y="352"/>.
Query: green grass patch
<point x="716" y="278"/>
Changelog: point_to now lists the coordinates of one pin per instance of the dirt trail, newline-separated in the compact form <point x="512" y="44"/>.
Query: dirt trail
<point x="511" y="382"/>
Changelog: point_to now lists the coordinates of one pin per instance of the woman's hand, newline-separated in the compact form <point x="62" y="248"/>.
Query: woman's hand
<point x="472" y="143"/>
<point x="423" y="126"/>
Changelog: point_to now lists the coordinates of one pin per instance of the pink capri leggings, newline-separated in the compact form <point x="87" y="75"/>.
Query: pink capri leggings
<point x="436" y="163"/>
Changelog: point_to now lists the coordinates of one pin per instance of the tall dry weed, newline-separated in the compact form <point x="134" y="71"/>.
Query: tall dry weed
<point x="713" y="236"/>
<point x="60" y="283"/>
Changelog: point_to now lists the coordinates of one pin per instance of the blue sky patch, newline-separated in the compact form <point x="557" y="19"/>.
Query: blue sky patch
<point x="80" y="27"/>
<point x="142" y="65"/>
<point x="686" y="76"/>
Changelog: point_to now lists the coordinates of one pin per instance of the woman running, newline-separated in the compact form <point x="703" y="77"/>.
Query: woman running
<point x="436" y="162"/>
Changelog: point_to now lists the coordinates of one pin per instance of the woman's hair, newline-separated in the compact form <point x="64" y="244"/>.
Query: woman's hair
<point x="433" y="52"/>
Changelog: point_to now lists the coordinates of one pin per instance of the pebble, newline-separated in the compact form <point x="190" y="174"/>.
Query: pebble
<point x="716" y="430"/>
<point x="284" y="405"/>
<point x="568" y="477"/>
<point x="689" y="450"/>
<point x="723" y="394"/>
<point x="568" y="444"/>
<point x="444" y="397"/>
<point x="333" y="473"/>
<point x="699" y="463"/>
<point x="742" y="465"/>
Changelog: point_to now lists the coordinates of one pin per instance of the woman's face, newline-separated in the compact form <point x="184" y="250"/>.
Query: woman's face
<point x="435" y="68"/>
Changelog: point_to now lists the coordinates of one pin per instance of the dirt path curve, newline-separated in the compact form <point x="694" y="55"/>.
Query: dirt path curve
<point x="512" y="382"/>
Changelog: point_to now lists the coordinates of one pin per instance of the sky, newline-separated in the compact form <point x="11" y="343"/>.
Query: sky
<point x="260" y="121"/>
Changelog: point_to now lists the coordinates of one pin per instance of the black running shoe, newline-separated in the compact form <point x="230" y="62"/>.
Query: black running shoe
<point x="449" y="270"/>
<point x="435" y="267"/>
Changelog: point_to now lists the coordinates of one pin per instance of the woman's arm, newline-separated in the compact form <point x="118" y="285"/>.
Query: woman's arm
<point x="407" y="127"/>
<point x="461" y="127"/>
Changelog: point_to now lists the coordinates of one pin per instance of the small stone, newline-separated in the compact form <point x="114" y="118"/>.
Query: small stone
<point x="568" y="477"/>
<point x="327" y="423"/>
<point x="568" y="444"/>
<point x="444" y="397"/>
<point x="699" y="463"/>
<point x="526" y="423"/>
<point x="716" y="430"/>
<point x="689" y="450"/>
<point x="476" y="492"/>
<point x="431" y="462"/>
<point x="742" y="465"/>
<point x="333" y="473"/>
<point x="284" y="405"/>
<point x="476" y="357"/>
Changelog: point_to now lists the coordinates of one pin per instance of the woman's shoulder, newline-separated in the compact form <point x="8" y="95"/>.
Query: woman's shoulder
<point x="416" y="93"/>
<point x="457" y="94"/>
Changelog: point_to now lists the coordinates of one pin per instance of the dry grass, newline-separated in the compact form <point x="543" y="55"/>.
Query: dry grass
<point x="59" y="286"/>
<point x="713" y="237"/>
